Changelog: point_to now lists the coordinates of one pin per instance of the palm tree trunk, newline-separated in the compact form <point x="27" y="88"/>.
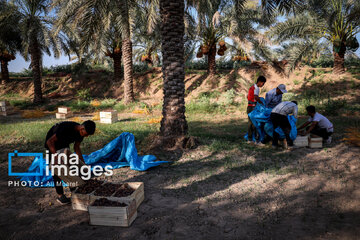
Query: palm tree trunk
<point x="117" y="66"/>
<point x="212" y="61"/>
<point x="36" y="70"/>
<point x="127" y="53"/>
<point x="4" y="71"/>
<point x="173" y="122"/>
<point x="128" y="70"/>
<point x="339" y="60"/>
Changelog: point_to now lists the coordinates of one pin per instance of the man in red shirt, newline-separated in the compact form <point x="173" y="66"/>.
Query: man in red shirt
<point x="253" y="98"/>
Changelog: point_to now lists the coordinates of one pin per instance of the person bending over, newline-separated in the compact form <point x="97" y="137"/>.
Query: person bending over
<point x="274" y="96"/>
<point x="60" y="136"/>
<point x="320" y="125"/>
<point x="279" y="118"/>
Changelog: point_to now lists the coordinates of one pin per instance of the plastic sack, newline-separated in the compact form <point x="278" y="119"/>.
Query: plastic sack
<point x="260" y="117"/>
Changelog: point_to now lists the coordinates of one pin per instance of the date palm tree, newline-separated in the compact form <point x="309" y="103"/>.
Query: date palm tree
<point x="10" y="38"/>
<point x="37" y="37"/>
<point x="334" y="22"/>
<point x="104" y="25"/>
<point x="173" y="122"/>
<point x="97" y="32"/>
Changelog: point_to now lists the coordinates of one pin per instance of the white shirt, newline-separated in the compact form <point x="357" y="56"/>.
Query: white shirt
<point x="322" y="121"/>
<point x="256" y="90"/>
<point x="272" y="99"/>
<point x="286" y="108"/>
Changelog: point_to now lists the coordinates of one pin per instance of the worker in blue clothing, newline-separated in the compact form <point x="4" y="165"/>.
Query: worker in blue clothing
<point x="274" y="96"/>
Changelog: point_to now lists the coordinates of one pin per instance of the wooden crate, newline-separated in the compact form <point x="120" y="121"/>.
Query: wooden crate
<point x="6" y="111"/>
<point x="301" y="141"/>
<point x="113" y="216"/>
<point x="315" y="142"/>
<point x="64" y="115"/>
<point x="64" y="110"/>
<point x="82" y="201"/>
<point x="108" y="120"/>
<point x="108" y="117"/>
<point x="4" y="103"/>
<point x="108" y="114"/>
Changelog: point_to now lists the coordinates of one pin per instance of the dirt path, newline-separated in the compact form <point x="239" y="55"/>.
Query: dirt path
<point x="236" y="194"/>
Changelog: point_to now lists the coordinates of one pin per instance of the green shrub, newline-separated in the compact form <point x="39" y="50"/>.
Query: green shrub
<point x="229" y="97"/>
<point x="80" y="105"/>
<point x="296" y="82"/>
<point x="22" y="104"/>
<point x="83" y="94"/>
<point x="203" y="105"/>
<point x="332" y="107"/>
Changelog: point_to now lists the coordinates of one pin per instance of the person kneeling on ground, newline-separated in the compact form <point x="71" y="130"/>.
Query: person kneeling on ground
<point x="253" y="98"/>
<point x="60" y="136"/>
<point x="279" y="118"/>
<point x="320" y="125"/>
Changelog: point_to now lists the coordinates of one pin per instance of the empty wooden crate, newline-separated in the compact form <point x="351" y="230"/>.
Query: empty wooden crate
<point x="64" y="110"/>
<point x="64" y="115"/>
<point x="108" y="117"/>
<point x="6" y="109"/>
<point x="301" y="141"/>
<point x="315" y="142"/>
<point x="121" y="216"/>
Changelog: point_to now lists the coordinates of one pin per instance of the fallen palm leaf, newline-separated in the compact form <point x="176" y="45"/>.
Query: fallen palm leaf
<point x="154" y="120"/>
<point x="142" y="111"/>
<point x="32" y="114"/>
<point x="96" y="116"/>
<point x="95" y="103"/>
<point x="352" y="136"/>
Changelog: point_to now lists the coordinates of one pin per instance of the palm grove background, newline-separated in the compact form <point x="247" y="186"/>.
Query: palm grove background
<point x="129" y="36"/>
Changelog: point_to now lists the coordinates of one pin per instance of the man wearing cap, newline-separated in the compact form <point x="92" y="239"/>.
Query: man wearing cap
<point x="274" y="96"/>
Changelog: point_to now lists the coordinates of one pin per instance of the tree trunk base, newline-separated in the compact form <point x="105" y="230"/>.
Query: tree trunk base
<point x="172" y="143"/>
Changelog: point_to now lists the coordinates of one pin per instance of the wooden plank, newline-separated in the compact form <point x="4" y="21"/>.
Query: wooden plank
<point x="63" y="115"/>
<point x="94" y="220"/>
<point x="108" y="121"/>
<point x="113" y="216"/>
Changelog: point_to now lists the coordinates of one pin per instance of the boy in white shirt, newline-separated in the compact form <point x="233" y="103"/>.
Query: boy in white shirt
<point x="320" y="125"/>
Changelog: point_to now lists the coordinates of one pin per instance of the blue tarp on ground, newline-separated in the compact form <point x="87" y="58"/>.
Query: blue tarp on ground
<point x="260" y="117"/>
<point x="120" y="152"/>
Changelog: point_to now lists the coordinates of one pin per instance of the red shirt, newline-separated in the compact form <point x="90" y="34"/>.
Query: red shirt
<point x="253" y="91"/>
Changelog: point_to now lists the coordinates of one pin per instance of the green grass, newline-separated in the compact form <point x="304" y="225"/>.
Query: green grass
<point x="296" y="82"/>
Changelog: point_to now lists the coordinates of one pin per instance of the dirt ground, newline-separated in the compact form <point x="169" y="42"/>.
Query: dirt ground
<point x="299" y="194"/>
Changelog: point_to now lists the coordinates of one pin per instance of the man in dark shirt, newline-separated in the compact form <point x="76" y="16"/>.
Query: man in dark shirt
<point x="60" y="136"/>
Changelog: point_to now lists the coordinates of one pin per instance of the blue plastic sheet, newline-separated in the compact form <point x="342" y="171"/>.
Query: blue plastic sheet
<point x="260" y="117"/>
<point x="120" y="152"/>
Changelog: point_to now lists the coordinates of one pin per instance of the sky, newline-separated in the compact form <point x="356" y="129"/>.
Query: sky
<point x="19" y="64"/>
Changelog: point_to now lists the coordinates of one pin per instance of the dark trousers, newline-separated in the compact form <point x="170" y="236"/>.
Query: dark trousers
<point x="321" y="132"/>
<point x="58" y="183"/>
<point x="281" y="121"/>
<point x="251" y="127"/>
